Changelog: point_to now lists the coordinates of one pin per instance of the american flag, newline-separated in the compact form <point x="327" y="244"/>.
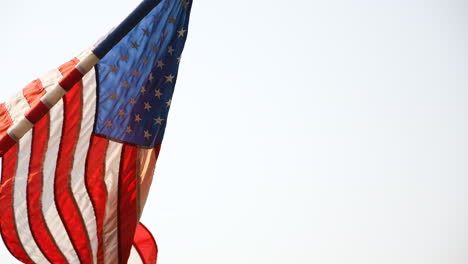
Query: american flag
<point x="79" y="145"/>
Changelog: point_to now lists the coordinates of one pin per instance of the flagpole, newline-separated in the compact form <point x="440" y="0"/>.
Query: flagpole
<point x="55" y="94"/>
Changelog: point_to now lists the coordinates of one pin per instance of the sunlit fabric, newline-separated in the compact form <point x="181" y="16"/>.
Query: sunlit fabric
<point x="79" y="145"/>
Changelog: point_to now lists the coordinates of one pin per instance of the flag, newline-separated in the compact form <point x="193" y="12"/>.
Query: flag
<point x="79" y="145"/>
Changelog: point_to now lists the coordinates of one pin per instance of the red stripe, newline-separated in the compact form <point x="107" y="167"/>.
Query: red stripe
<point x="39" y="229"/>
<point x="5" y="119"/>
<point x="96" y="187"/>
<point x="71" y="78"/>
<point x="33" y="93"/>
<point x="37" y="111"/>
<point x="7" y="220"/>
<point x="6" y="142"/>
<point x="145" y="245"/>
<point x="64" y="199"/>
<point x="127" y="197"/>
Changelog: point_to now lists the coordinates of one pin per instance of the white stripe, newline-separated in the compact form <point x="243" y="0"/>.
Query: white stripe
<point x="18" y="130"/>
<point x="53" y="95"/>
<point x="50" y="79"/>
<point x="49" y="209"/>
<point x="111" y="179"/>
<point x="134" y="257"/>
<point x="87" y="62"/>
<point x="49" y="82"/>
<point x="85" y="53"/>
<point x="78" y="170"/>
<point x="17" y="106"/>
<point x="20" y="204"/>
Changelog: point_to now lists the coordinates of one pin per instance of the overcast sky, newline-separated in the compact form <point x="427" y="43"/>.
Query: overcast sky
<point x="329" y="132"/>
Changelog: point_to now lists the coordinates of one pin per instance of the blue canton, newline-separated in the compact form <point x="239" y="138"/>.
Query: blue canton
<point x="136" y="79"/>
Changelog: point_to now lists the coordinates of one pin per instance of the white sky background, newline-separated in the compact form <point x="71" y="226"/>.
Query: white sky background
<point x="330" y="132"/>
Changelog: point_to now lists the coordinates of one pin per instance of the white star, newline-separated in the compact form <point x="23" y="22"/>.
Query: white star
<point x="147" y="134"/>
<point x="181" y="33"/>
<point x="169" y="78"/>
<point x="147" y="106"/>
<point x="158" y="121"/>
<point x="158" y="93"/>
<point x="170" y="50"/>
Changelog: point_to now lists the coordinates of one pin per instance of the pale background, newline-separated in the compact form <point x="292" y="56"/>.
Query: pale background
<point x="302" y="132"/>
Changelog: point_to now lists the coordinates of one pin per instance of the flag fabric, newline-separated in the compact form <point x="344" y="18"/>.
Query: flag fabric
<point x="79" y="145"/>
